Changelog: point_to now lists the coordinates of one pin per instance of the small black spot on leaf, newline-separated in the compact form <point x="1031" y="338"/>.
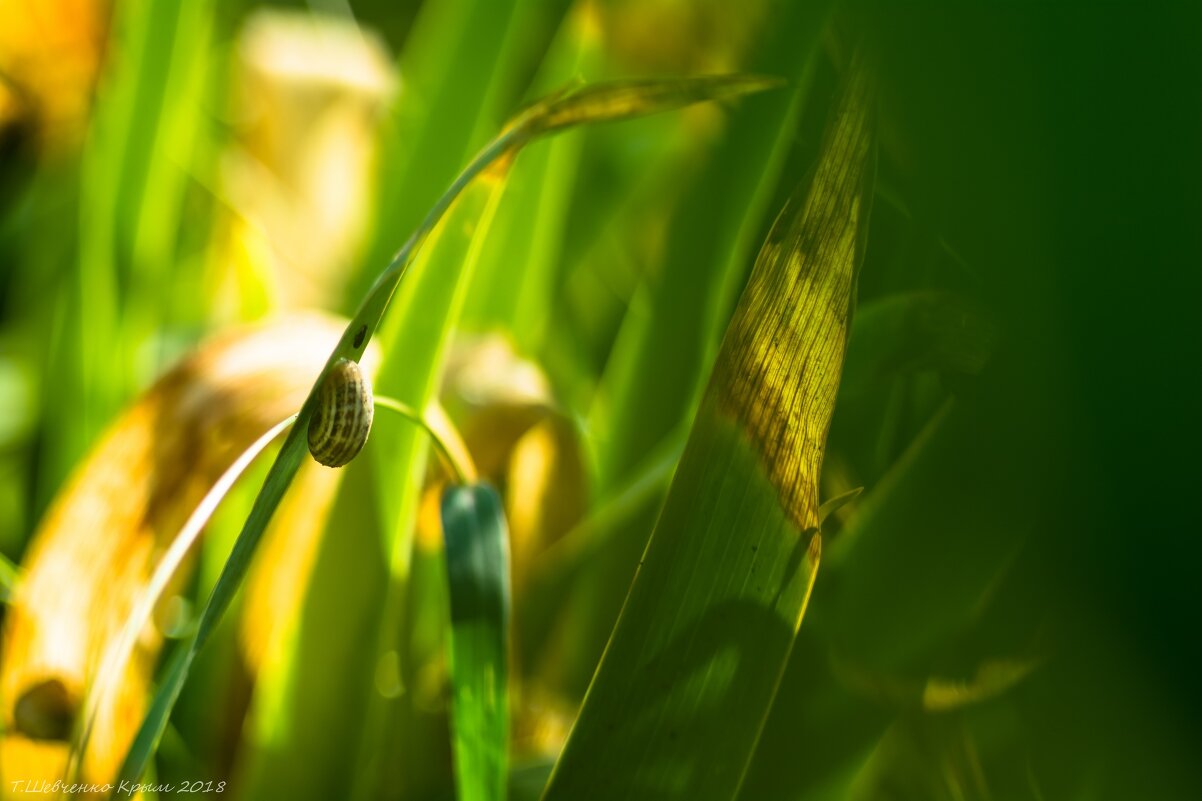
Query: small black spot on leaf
<point x="45" y="711"/>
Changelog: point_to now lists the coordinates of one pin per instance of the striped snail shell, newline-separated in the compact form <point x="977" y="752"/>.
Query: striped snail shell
<point x="342" y="419"/>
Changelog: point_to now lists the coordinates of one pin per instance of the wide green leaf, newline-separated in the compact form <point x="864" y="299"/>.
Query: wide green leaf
<point x="669" y="339"/>
<point x="718" y="598"/>
<point x="669" y="334"/>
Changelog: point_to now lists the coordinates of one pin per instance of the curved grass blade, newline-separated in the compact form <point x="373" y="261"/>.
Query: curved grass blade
<point x="168" y="565"/>
<point x="591" y="104"/>
<point x="832" y="505"/>
<point x="436" y="424"/>
<point x="680" y="697"/>
<point x="477" y="554"/>
<point x="621" y="100"/>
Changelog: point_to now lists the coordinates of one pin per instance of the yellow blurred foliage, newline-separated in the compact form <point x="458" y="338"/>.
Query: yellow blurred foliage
<point x="50" y="52"/>
<point x="308" y="95"/>
<point x="90" y="559"/>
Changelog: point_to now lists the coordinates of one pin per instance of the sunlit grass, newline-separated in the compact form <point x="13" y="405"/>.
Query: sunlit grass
<point x="653" y="451"/>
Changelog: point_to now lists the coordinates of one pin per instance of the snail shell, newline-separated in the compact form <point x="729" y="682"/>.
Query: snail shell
<point x="342" y="420"/>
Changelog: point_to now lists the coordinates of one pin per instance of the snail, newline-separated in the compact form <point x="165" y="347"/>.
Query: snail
<point x="342" y="419"/>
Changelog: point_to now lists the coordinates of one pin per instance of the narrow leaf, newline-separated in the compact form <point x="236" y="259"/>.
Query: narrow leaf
<point x="691" y="670"/>
<point x="477" y="554"/>
<point x="836" y="503"/>
<point x="416" y="339"/>
<point x="625" y="99"/>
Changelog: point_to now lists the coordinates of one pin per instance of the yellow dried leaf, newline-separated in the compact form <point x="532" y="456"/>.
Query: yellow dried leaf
<point x="96" y="547"/>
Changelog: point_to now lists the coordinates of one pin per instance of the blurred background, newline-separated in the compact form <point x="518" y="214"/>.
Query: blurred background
<point x="1006" y="610"/>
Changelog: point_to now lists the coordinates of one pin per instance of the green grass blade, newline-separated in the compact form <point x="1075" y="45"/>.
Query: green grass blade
<point x="137" y="761"/>
<point x="308" y="689"/>
<point x="832" y="505"/>
<point x="477" y="556"/>
<point x="123" y="646"/>
<point x="688" y="678"/>
<point x="543" y="117"/>
<point x="132" y="195"/>
<point x="274" y="486"/>
<point x="620" y="100"/>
